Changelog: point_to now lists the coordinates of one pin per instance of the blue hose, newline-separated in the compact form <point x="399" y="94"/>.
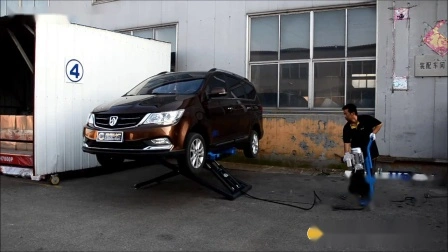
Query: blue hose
<point x="370" y="178"/>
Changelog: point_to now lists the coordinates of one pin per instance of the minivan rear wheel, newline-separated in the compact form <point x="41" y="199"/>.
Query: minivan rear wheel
<point x="108" y="161"/>
<point x="195" y="150"/>
<point x="252" y="146"/>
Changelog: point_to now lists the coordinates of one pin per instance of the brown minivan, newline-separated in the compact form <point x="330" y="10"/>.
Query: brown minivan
<point x="181" y="115"/>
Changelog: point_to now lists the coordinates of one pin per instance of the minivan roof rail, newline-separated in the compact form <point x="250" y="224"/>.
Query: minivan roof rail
<point x="227" y="72"/>
<point x="164" y="72"/>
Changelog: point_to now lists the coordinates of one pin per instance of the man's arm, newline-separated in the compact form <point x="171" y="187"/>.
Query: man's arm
<point x="377" y="128"/>
<point x="347" y="147"/>
<point x="346" y="138"/>
<point x="374" y="123"/>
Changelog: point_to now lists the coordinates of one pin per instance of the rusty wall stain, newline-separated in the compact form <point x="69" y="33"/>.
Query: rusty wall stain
<point x="311" y="137"/>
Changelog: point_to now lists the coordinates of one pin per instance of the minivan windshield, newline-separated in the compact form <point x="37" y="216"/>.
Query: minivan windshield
<point x="178" y="84"/>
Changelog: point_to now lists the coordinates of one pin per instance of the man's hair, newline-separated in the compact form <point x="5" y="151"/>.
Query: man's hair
<point x="351" y="108"/>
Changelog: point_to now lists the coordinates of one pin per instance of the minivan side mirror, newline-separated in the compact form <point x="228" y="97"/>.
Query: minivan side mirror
<point x="217" y="92"/>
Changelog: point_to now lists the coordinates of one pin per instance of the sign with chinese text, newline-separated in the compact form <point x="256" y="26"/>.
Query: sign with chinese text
<point x="430" y="65"/>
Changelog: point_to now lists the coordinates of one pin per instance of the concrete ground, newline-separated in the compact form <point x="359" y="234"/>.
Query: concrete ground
<point x="94" y="210"/>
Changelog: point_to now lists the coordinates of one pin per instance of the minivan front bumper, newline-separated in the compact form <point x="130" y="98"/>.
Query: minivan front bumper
<point x="143" y="140"/>
<point x="131" y="153"/>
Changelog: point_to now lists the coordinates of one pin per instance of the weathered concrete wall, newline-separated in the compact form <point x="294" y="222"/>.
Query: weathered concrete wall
<point x="302" y="137"/>
<point x="415" y="119"/>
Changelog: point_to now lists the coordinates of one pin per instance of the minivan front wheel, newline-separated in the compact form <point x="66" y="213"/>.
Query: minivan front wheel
<point x="252" y="147"/>
<point x="108" y="161"/>
<point x="194" y="157"/>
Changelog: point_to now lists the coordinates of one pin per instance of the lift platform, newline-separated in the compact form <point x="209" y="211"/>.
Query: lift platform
<point x="233" y="186"/>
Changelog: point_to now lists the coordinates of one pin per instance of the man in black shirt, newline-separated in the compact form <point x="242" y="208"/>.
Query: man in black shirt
<point x="357" y="132"/>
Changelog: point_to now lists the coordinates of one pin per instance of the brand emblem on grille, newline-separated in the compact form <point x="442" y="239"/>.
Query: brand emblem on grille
<point x="113" y="120"/>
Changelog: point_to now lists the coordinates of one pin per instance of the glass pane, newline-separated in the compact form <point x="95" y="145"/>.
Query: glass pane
<point x="168" y="34"/>
<point x="216" y="81"/>
<point x="41" y="5"/>
<point x="264" y="79"/>
<point x="250" y="91"/>
<point x="361" y="83"/>
<point x="329" y="34"/>
<point x="147" y="33"/>
<point x="294" y="85"/>
<point x="295" y="36"/>
<point x="238" y="91"/>
<point x="329" y="84"/>
<point x="264" y="38"/>
<point x="232" y="82"/>
<point x="361" y="32"/>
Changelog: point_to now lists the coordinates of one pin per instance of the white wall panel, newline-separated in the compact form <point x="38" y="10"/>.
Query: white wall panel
<point x="173" y="11"/>
<point x="416" y="119"/>
<point x="176" y="12"/>
<point x="259" y="6"/>
<point x="61" y="107"/>
<point x="230" y="36"/>
<point x="287" y="5"/>
<point x="200" y="35"/>
<point x="210" y="33"/>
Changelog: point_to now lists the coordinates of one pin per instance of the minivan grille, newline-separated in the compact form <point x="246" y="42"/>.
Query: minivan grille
<point x="123" y="121"/>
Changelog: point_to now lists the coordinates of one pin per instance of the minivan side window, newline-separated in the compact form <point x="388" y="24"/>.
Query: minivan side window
<point x="217" y="80"/>
<point x="250" y="91"/>
<point x="236" y="87"/>
<point x="238" y="92"/>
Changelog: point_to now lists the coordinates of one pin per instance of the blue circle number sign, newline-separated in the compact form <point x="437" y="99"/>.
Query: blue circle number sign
<point x="74" y="70"/>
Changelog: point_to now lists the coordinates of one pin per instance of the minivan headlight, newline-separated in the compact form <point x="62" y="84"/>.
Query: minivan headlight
<point x="164" y="118"/>
<point x="91" y="120"/>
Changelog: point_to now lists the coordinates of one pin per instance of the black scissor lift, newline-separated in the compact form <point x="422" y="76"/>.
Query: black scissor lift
<point x="233" y="186"/>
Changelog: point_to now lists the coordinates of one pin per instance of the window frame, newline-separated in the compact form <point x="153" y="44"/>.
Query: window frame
<point x="95" y="2"/>
<point x="311" y="61"/>
<point x="130" y="31"/>
<point x="300" y="62"/>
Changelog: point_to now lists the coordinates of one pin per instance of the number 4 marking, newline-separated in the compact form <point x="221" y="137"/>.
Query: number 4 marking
<point x="75" y="71"/>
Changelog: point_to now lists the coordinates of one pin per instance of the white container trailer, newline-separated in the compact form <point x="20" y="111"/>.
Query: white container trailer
<point x="56" y="73"/>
